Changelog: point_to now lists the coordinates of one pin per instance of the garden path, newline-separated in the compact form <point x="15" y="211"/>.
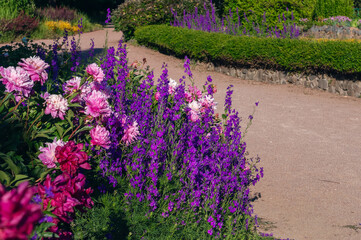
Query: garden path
<point x="309" y="143"/>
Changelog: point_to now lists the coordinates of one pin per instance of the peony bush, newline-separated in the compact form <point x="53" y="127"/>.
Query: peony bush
<point x="109" y="151"/>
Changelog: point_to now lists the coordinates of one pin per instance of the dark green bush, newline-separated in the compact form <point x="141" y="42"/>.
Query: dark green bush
<point x="273" y="8"/>
<point x="282" y="54"/>
<point x="330" y="8"/>
<point x="134" y="13"/>
<point x="10" y="9"/>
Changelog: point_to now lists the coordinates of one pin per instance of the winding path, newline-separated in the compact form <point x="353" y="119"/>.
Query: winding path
<point x="309" y="143"/>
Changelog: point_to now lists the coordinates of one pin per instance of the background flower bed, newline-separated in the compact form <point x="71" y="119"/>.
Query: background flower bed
<point x="25" y="18"/>
<point x="282" y="54"/>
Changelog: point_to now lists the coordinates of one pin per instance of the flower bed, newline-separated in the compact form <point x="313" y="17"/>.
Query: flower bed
<point x="110" y="152"/>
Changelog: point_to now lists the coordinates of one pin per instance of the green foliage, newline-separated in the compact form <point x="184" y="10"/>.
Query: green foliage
<point x="282" y="54"/>
<point x="105" y="219"/>
<point x="134" y="13"/>
<point x="273" y="8"/>
<point x="10" y="9"/>
<point x="330" y="8"/>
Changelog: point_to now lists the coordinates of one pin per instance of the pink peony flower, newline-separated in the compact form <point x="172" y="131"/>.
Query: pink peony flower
<point x="97" y="105"/>
<point x="194" y="116"/>
<point x="18" y="80"/>
<point x="100" y="137"/>
<point x="192" y="94"/>
<point x="157" y="96"/>
<point x="96" y="72"/>
<point x="71" y="86"/>
<point x="172" y="86"/>
<point x="35" y="67"/>
<point x="17" y="213"/>
<point x="48" y="153"/>
<point x="130" y="133"/>
<point x="195" y="109"/>
<point x="56" y="106"/>
<point x="207" y="102"/>
<point x="70" y="157"/>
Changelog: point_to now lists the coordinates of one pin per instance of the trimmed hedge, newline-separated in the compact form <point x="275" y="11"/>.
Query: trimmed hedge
<point x="334" y="57"/>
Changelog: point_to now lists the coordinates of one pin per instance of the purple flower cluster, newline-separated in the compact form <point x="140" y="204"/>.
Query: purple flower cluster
<point x="209" y="23"/>
<point x="202" y="156"/>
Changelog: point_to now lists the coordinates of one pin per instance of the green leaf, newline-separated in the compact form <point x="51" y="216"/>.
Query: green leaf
<point x="75" y="105"/>
<point x="19" y="178"/>
<point x="12" y="166"/>
<point x="86" y="128"/>
<point x="59" y="129"/>
<point x="4" y="177"/>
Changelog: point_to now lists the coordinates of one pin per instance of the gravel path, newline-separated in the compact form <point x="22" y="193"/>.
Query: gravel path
<point x="309" y="142"/>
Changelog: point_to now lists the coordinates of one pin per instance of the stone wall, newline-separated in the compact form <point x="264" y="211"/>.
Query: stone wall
<point x="333" y="32"/>
<point x="322" y="81"/>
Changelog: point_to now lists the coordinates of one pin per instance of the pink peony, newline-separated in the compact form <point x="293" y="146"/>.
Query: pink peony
<point x="207" y="102"/>
<point x="130" y="133"/>
<point x="17" y="213"/>
<point x="100" y="137"/>
<point x="192" y="94"/>
<point x="96" y="72"/>
<point x="194" y="116"/>
<point x="48" y="153"/>
<point x="172" y="86"/>
<point x="195" y="109"/>
<point x="70" y="157"/>
<point x="18" y="80"/>
<point x="35" y="67"/>
<point x="97" y="105"/>
<point x="157" y="96"/>
<point x="56" y="106"/>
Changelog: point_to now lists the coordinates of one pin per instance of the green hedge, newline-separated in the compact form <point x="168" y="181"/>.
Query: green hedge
<point x="281" y="54"/>
<point x="332" y="8"/>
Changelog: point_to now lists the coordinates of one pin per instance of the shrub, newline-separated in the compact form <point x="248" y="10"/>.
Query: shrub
<point x="22" y="24"/>
<point x="57" y="13"/>
<point x="135" y="13"/>
<point x="273" y="8"/>
<point x="330" y="8"/>
<point x="10" y="9"/>
<point x="283" y="54"/>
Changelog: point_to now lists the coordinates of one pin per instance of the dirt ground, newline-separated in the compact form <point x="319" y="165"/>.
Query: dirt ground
<point x="309" y="142"/>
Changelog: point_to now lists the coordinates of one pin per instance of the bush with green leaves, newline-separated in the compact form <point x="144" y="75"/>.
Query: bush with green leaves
<point x="331" y="8"/>
<point x="274" y="9"/>
<point x="10" y="9"/>
<point x="334" y="57"/>
<point x="134" y="13"/>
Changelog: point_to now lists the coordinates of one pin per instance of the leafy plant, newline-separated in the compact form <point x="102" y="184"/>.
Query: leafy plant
<point x="330" y="8"/>
<point x="134" y="13"/>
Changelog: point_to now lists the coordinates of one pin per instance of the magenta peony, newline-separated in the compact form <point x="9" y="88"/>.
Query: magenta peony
<point x="96" y="72"/>
<point x="70" y="157"/>
<point x="64" y="194"/>
<point x="35" y="67"/>
<point x="17" y="213"/>
<point x="100" y="137"/>
<point x="18" y="80"/>
<point x="97" y="105"/>
<point x="56" y="106"/>
<point x="47" y="155"/>
<point x="130" y="133"/>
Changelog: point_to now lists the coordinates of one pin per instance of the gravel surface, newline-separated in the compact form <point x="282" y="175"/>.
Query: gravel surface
<point x="309" y="143"/>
